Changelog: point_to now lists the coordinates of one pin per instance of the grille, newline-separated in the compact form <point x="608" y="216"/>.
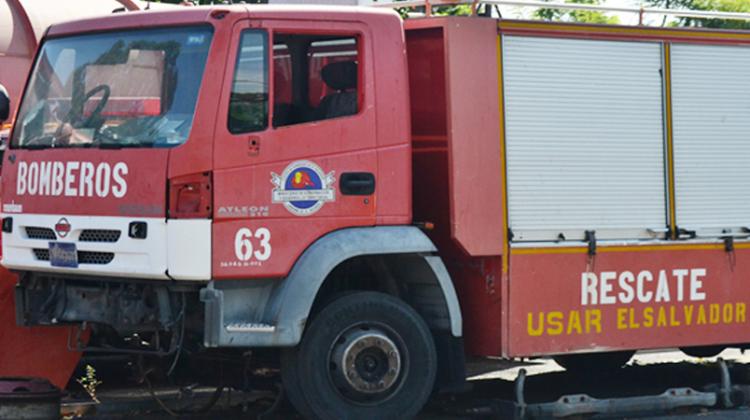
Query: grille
<point x="40" y="233"/>
<point x="99" y="235"/>
<point x="41" y="254"/>
<point x="84" y="257"/>
<point x="90" y="257"/>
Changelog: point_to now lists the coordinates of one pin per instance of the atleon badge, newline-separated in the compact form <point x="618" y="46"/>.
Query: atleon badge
<point x="303" y="188"/>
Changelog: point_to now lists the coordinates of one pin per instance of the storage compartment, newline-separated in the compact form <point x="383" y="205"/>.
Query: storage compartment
<point x="584" y="138"/>
<point x="711" y="114"/>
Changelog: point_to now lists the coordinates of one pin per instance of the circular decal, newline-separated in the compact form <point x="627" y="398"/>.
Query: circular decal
<point x="303" y="188"/>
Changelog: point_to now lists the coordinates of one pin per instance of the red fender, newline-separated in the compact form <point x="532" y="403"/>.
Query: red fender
<point x="39" y="351"/>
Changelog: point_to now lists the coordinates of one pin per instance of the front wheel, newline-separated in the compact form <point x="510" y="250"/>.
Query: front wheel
<point x="365" y="355"/>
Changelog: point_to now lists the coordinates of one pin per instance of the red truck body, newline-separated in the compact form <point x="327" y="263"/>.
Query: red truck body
<point x="264" y="224"/>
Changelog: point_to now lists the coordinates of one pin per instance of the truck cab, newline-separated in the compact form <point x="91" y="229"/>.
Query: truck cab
<point x="225" y="173"/>
<point x="158" y="132"/>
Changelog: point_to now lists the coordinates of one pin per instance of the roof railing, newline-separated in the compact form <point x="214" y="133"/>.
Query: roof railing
<point x="640" y="11"/>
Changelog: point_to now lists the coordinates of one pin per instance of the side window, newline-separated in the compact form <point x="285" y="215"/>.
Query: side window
<point x="248" y="102"/>
<point x="315" y="78"/>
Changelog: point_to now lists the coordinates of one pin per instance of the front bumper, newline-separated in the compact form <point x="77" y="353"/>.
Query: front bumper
<point x="172" y="249"/>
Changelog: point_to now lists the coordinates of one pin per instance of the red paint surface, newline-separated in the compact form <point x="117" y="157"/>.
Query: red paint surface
<point x="36" y="352"/>
<point x="456" y="163"/>
<point x="452" y="178"/>
<point x="32" y="352"/>
<point x="146" y="182"/>
<point x="552" y="282"/>
<point x="375" y="140"/>
<point x="460" y="113"/>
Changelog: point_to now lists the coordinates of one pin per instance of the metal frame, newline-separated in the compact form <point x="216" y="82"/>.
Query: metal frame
<point x="641" y="11"/>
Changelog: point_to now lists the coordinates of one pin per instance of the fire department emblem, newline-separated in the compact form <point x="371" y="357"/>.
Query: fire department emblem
<point x="303" y="188"/>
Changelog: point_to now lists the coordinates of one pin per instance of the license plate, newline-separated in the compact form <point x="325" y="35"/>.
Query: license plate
<point x="63" y="254"/>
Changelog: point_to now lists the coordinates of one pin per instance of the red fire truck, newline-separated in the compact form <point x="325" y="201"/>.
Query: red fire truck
<point x="366" y="200"/>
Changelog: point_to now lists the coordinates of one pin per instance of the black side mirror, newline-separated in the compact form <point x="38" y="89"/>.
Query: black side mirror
<point x="4" y="104"/>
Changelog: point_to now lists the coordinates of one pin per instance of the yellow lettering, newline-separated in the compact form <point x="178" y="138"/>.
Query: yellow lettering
<point x="633" y="324"/>
<point x="648" y="317"/>
<point x="594" y="318"/>
<point x="535" y="332"/>
<point x="661" y="320"/>
<point x="714" y="313"/>
<point x="688" y="310"/>
<point x="574" y="322"/>
<point x="701" y="315"/>
<point x="554" y="320"/>
<point x="673" y="322"/>
<point x="727" y="313"/>
<point x="740" y="311"/>
<point x="621" y="318"/>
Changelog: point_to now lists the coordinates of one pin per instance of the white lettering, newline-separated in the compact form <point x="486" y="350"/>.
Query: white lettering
<point x="33" y="181"/>
<point x="625" y="281"/>
<point x="120" y="187"/>
<point x="605" y="287"/>
<point x="21" y="178"/>
<point x="696" y="283"/>
<point x="646" y="296"/>
<point x="86" y="185"/>
<point x="625" y="287"/>
<point x="101" y="185"/>
<point x="70" y="179"/>
<point x="680" y="275"/>
<point x="662" y="288"/>
<point x="58" y="171"/>
<point x="588" y="289"/>
<point x="45" y="168"/>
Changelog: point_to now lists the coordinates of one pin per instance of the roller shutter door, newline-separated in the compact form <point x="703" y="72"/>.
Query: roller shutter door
<point x="584" y="138"/>
<point x="711" y="115"/>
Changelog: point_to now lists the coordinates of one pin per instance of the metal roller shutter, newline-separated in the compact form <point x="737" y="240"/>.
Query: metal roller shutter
<point x="584" y="138"/>
<point x="711" y="116"/>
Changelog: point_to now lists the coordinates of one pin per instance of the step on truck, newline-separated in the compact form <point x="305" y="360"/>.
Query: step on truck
<point x="365" y="200"/>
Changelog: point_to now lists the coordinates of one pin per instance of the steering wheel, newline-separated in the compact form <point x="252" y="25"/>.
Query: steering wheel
<point x="96" y="112"/>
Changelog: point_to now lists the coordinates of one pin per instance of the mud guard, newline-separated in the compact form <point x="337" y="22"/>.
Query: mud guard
<point x="274" y="312"/>
<point x="36" y="352"/>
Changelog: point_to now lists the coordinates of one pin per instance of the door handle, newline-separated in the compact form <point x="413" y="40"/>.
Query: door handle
<point x="357" y="183"/>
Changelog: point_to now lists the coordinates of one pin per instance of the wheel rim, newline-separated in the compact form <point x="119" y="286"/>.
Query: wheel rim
<point x="367" y="363"/>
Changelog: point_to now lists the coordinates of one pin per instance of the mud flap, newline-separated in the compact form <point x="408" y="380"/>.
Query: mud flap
<point x="36" y="352"/>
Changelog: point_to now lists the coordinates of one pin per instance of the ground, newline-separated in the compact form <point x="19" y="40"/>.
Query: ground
<point x="492" y="380"/>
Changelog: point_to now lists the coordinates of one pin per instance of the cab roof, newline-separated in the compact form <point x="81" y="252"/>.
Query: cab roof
<point x="218" y="15"/>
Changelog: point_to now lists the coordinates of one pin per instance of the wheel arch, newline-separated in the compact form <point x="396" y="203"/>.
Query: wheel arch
<point x="405" y="252"/>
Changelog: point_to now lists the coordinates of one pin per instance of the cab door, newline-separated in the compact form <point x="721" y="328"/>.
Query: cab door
<point x="295" y="143"/>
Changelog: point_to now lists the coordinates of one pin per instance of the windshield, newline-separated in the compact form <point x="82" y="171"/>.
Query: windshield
<point x="114" y="89"/>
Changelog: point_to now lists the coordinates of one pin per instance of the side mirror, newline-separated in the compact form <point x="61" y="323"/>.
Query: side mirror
<point x="4" y="104"/>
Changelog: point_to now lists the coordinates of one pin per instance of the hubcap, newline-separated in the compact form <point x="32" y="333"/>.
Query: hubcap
<point x="365" y="361"/>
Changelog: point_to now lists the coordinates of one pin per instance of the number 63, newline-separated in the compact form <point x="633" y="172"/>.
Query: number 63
<point x="243" y="245"/>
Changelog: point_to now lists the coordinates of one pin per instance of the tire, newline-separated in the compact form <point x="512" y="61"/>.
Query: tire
<point x="594" y="363"/>
<point x="366" y="355"/>
<point x="290" y="381"/>
<point x="702" y="351"/>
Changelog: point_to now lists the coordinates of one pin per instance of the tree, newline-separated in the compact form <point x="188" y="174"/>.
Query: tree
<point x="707" y="5"/>
<point x="581" y="16"/>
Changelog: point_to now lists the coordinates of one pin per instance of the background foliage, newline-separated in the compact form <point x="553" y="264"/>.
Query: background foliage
<point x="584" y="16"/>
<point x="716" y="5"/>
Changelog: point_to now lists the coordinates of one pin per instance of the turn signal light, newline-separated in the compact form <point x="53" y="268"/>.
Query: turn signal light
<point x="138" y="230"/>
<point x="8" y="225"/>
<point x="190" y="196"/>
